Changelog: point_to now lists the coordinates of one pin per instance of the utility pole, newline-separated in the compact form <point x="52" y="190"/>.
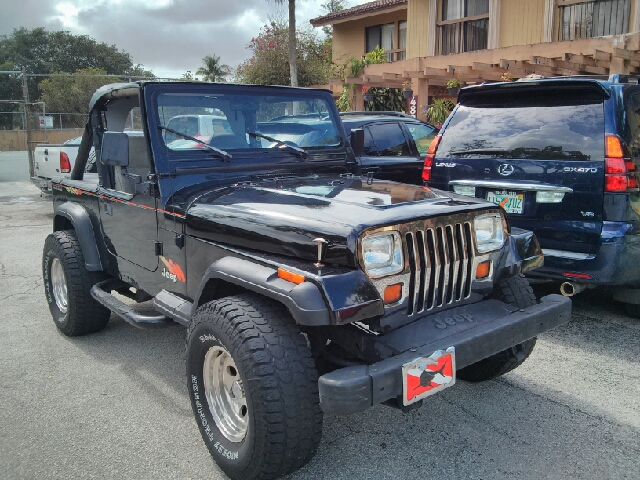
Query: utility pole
<point x="25" y="98"/>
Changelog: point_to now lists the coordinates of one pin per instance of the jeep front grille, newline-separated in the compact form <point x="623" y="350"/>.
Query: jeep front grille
<point x="440" y="261"/>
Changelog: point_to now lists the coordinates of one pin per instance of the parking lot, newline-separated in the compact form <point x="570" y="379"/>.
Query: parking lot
<point x="115" y="404"/>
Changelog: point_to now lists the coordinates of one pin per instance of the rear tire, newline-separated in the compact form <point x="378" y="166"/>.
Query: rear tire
<point x="67" y="285"/>
<point x="632" y="309"/>
<point x="253" y="387"/>
<point x="514" y="291"/>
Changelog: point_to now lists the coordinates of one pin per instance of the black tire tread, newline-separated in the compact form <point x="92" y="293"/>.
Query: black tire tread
<point x="632" y="310"/>
<point x="275" y="356"/>
<point x="514" y="291"/>
<point x="85" y="315"/>
<point x="498" y="364"/>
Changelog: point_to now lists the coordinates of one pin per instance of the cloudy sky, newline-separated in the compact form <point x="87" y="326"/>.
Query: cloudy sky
<point x="166" y="36"/>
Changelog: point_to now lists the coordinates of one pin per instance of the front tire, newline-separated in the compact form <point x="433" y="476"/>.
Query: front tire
<point x="514" y="291"/>
<point x="632" y="309"/>
<point x="67" y="285"/>
<point x="253" y="387"/>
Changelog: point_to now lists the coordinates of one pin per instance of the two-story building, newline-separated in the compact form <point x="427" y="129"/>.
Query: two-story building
<point x="428" y="42"/>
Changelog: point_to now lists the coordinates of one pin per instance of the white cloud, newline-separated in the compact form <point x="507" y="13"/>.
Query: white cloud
<point x="68" y="15"/>
<point x="167" y="36"/>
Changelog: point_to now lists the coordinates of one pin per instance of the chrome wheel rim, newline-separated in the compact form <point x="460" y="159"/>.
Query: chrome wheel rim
<point x="225" y="394"/>
<point x="59" y="284"/>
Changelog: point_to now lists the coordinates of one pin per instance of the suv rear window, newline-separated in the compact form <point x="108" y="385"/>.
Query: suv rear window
<point x="550" y="132"/>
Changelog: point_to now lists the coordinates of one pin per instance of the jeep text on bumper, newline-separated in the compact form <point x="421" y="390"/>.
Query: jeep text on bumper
<point x="476" y="331"/>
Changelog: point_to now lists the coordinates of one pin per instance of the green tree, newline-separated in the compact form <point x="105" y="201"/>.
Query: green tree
<point x="70" y="94"/>
<point x="213" y="70"/>
<point x="332" y="6"/>
<point x="269" y="62"/>
<point x="39" y="51"/>
<point x="10" y="89"/>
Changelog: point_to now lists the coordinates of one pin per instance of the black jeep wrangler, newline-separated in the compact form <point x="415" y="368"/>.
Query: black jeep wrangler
<point x="284" y="264"/>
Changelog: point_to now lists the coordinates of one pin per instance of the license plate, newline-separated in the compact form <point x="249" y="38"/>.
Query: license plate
<point x="512" y="202"/>
<point x="425" y="376"/>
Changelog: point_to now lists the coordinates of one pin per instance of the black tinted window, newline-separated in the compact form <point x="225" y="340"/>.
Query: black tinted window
<point x="369" y="145"/>
<point x="569" y="132"/>
<point x="389" y="140"/>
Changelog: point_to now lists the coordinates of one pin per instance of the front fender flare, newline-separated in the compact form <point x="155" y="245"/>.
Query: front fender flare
<point x="81" y="222"/>
<point x="528" y="249"/>
<point x="304" y="300"/>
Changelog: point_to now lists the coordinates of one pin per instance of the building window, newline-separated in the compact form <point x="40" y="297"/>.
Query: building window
<point x="381" y="36"/>
<point x="593" y="18"/>
<point x="464" y="26"/>
<point x="402" y="40"/>
<point x="384" y="36"/>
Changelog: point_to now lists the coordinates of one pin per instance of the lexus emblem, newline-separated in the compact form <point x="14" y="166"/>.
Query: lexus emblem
<point x="505" y="169"/>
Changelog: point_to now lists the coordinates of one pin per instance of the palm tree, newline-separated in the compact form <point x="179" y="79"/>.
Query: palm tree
<point x="293" y="67"/>
<point x="213" y="70"/>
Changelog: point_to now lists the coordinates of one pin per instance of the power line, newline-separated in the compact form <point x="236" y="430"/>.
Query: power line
<point x="103" y="75"/>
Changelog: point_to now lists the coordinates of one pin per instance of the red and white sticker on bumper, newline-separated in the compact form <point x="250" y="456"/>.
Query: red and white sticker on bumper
<point x="425" y="376"/>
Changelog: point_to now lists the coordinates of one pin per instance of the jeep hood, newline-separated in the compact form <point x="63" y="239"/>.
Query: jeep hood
<point x="284" y="216"/>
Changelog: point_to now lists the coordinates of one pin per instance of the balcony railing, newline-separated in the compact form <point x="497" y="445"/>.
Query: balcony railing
<point x="396" y="54"/>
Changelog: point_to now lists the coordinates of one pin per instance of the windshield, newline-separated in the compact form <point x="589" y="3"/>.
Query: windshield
<point x="231" y="121"/>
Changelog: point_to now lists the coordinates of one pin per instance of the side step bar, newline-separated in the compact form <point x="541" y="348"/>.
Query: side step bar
<point x="101" y="292"/>
<point x="174" y="307"/>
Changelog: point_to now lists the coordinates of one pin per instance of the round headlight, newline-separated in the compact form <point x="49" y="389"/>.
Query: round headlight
<point x="489" y="232"/>
<point x="382" y="254"/>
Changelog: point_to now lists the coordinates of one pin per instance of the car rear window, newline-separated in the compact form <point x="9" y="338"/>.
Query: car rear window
<point x="549" y="132"/>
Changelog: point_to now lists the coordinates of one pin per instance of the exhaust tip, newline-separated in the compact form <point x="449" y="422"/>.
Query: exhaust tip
<point x="569" y="289"/>
<point x="566" y="289"/>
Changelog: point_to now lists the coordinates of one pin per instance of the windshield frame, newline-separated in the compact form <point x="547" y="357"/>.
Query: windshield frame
<point x="172" y="159"/>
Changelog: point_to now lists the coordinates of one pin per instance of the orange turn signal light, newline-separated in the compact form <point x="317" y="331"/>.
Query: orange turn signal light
<point x="290" y="276"/>
<point x="483" y="269"/>
<point x="614" y="147"/>
<point x="393" y="293"/>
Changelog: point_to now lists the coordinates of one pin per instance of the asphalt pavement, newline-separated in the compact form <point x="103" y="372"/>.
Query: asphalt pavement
<point x="115" y="405"/>
<point x="14" y="166"/>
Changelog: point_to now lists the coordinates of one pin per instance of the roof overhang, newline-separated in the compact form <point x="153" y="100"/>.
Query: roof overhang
<point x="359" y="12"/>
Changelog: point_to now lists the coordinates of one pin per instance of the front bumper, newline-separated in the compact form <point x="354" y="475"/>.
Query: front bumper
<point x="476" y="331"/>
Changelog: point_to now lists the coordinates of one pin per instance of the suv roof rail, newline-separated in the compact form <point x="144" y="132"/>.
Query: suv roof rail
<point x="613" y="78"/>
<point x="620" y="78"/>
<point x="389" y="113"/>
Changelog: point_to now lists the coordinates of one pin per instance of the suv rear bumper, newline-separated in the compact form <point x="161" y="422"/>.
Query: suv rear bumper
<point x="476" y="331"/>
<point x="616" y="263"/>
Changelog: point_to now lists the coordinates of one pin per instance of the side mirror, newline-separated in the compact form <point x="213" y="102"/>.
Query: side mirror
<point x="115" y="149"/>
<point x="357" y="141"/>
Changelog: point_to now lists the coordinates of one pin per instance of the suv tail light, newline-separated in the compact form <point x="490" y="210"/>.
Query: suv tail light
<point x="620" y="173"/>
<point x="428" y="160"/>
<point x="65" y="164"/>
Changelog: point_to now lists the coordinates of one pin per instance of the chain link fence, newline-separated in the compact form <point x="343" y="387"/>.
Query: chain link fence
<point x="48" y="108"/>
<point x="30" y="104"/>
